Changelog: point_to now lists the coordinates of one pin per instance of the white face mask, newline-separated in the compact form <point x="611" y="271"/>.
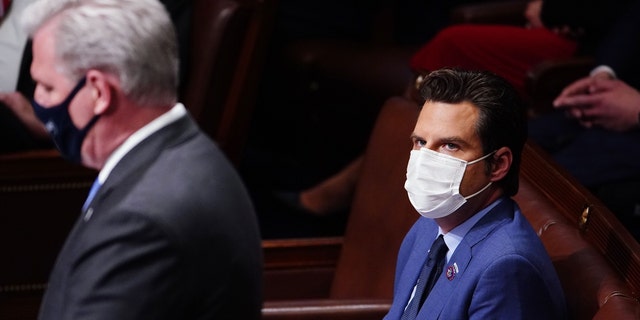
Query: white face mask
<point x="433" y="182"/>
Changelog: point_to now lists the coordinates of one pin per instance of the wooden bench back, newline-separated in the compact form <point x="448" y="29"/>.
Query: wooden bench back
<point x="381" y="213"/>
<point x="227" y="50"/>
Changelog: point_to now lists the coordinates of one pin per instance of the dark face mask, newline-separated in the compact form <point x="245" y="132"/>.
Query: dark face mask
<point x="65" y="135"/>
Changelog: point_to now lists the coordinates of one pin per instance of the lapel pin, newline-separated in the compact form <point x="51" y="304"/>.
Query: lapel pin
<point x="452" y="271"/>
<point x="88" y="215"/>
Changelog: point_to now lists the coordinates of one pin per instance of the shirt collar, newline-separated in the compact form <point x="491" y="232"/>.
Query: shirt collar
<point x="178" y="111"/>
<point x="455" y="236"/>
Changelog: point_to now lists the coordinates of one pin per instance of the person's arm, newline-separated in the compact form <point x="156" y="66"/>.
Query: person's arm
<point x="600" y="101"/>
<point x="21" y="107"/>
<point x="512" y="288"/>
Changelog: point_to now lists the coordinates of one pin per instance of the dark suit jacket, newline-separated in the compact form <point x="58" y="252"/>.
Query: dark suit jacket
<point x="593" y="17"/>
<point x="503" y="272"/>
<point x="621" y="48"/>
<point x="172" y="234"/>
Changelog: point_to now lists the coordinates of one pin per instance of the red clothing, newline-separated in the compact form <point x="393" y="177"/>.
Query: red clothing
<point x="508" y="51"/>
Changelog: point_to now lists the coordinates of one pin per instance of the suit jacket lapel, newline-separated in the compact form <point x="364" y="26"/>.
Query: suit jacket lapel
<point x="461" y="258"/>
<point x="135" y="161"/>
<point x="424" y="234"/>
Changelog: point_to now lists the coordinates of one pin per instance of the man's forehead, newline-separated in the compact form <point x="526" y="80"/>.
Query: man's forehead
<point x="456" y="114"/>
<point x="46" y="68"/>
<point x="446" y="121"/>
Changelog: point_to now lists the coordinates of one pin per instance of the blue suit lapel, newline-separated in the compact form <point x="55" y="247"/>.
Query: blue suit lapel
<point x="446" y="286"/>
<point x="425" y="233"/>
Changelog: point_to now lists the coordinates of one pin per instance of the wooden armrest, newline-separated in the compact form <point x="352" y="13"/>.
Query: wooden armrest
<point x="41" y="166"/>
<point x="285" y="253"/>
<point x="299" y="268"/>
<point x="493" y="12"/>
<point x="326" y="309"/>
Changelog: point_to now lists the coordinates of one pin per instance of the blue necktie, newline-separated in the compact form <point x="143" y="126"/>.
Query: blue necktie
<point x="431" y="270"/>
<point x="94" y="189"/>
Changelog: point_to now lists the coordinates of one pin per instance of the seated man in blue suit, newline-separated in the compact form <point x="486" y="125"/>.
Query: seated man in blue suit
<point x="170" y="232"/>
<point x="462" y="171"/>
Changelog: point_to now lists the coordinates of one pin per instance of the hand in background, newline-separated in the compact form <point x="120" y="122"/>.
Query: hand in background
<point x="601" y="101"/>
<point x="21" y="107"/>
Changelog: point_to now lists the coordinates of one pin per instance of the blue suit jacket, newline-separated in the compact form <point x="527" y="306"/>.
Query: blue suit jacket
<point x="503" y="272"/>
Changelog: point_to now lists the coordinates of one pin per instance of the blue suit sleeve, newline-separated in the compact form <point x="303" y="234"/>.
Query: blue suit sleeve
<point x="512" y="288"/>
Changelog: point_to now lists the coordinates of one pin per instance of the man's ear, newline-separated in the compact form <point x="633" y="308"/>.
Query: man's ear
<point x="101" y="90"/>
<point x="502" y="160"/>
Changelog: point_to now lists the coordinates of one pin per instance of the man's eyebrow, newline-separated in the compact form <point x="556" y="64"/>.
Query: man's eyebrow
<point x="450" y="139"/>
<point x="453" y="139"/>
<point x="457" y="140"/>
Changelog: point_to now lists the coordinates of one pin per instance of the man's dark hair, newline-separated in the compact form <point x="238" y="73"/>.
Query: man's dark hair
<point x="502" y="121"/>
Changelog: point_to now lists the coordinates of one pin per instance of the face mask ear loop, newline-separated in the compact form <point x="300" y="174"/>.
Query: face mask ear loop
<point x="482" y="158"/>
<point x="489" y="184"/>
<point x="75" y="90"/>
<point x="479" y="191"/>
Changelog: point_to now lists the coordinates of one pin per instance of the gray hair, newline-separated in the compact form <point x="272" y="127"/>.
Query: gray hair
<point x="131" y="39"/>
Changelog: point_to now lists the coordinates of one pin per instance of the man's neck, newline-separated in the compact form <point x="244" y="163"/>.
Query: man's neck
<point x="469" y="209"/>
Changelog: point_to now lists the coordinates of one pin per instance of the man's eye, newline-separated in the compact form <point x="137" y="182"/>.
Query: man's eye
<point x="451" y="146"/>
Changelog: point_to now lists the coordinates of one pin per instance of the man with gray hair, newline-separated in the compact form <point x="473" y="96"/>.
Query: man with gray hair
<point x="168" y="231"/>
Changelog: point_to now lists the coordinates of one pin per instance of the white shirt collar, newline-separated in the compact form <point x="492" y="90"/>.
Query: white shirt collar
<point x="455" y="236"/>
<point x="178" y="111"/>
